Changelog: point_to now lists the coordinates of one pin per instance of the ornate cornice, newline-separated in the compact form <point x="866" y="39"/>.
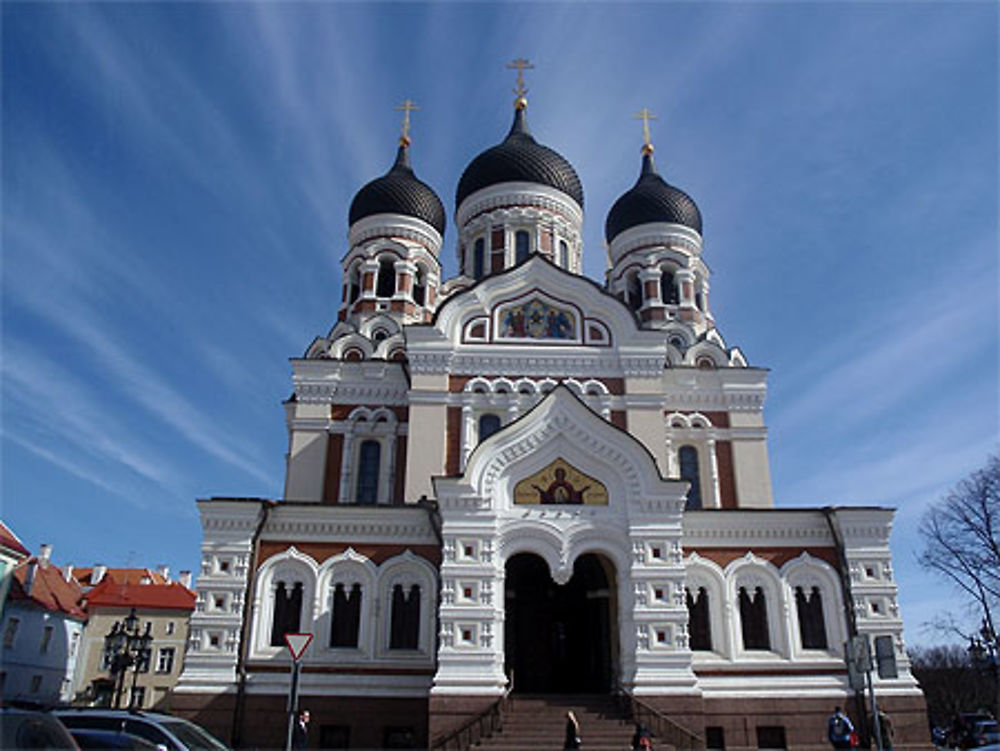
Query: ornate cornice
<point x="350" y="393"/>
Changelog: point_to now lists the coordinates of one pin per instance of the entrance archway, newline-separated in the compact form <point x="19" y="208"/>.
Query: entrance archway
<point x="558" y="638"/>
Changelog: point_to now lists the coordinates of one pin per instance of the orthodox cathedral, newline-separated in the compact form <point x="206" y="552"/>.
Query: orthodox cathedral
<point x="522" y="481"/>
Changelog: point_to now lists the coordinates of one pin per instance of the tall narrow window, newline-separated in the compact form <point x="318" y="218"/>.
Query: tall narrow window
<point x="479" y="258"/>
<point x="420" y="286"/>
<point x="688" y="457"/>
<point x="354" y="285"/>
<point x="386" y="284"/>
<point x="812" y="625"/>
<point x="699" y="301"/>
<point x="488" y="425"/>
<point x="699" y="626"/>
<point x="405" y="623"/>
<point x="369" y="460"/>
<point x="668" y="288"/>
<point x="346" y="616"/>
<point x="43" y="648"/>
<point x="563" y="254"/>
<point x="287" y="612"/>
<point x="753" y="619"/>
<point x="521" y="245"/>
<point x="633" y="291"/>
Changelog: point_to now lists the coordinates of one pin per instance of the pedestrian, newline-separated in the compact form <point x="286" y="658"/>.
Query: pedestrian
<point x="839" y="729"/>
<point x="642" y="738"/>
<point x="884" y="728"/>
<point x="572" y="740"/>
<point x="300" y="733"/>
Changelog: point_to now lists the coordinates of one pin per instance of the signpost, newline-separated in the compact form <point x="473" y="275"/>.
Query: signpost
<point x="297" y="644"/>
<point x="858" y="655"/>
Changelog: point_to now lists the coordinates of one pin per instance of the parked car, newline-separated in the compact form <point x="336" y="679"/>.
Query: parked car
<point x="172" y="733"/>
<point x="91" y="738"/>
<point x="27" y="729"/>
<point x="984" y="733"/>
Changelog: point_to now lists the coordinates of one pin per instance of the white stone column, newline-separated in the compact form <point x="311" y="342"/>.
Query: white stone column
<point x="387" y="470"/>
<point x="671" y="458"/>
<point x="346" y="462"/>
<point x="713" y="475"/>
<point x="467" y="437"/>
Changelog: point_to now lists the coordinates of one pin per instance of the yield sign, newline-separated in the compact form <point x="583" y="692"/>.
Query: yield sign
<point x="297" y="644"/>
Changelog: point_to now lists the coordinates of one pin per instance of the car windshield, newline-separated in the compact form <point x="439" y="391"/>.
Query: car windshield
<point x="192" y="736"/>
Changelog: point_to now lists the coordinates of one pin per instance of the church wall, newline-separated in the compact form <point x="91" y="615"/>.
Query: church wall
<point x="727" y="475"/>
<point x="752" y="474"/>
<point x="425" y="458"/>
<point x="306" y="466"/>
<point x="646" y="425"/>
<point x="334" y="457"/>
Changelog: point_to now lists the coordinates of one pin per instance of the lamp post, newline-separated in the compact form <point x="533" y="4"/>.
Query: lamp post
<point x="984" y="651"/>
<point x="125" y="647"/>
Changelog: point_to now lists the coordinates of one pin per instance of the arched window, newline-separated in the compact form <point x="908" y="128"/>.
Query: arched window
<point x="633" y="291"/>
<point x="386" y="284"/>
<point x="354" y="285"/>
<point x="346" y="616"/>
<point x="753" y="619"/>
<point x="563" y="254"/>
<point x="522" y="244"/>
<point x="420" y="286"/>
<point x="688" y="457"/>
<point x="668" y="288"/>
<point x="812" y="625"/>
<point x="404" y="632"/>
<point x="287" y="612"/>
<point x="699" y="626"/>
<point x="488" y="425"/>
<point x="368" y="469"/>
<point x="479" y="259"/>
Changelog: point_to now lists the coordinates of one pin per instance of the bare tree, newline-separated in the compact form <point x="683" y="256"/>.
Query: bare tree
<point x="961" y="535"/>
<point x="950" y="683"/>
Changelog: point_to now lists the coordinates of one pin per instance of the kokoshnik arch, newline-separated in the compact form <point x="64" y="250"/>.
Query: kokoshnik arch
<point x="518" y="479"/>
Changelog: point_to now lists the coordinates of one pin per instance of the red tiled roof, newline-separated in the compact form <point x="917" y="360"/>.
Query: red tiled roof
<point x="50" y="589"/>
<point x="120" y="576"/>
<point x="169" y="596"/>
<point x="9" y="540"/>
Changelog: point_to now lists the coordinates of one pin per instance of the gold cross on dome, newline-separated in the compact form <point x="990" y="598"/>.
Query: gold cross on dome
<point x="521" y="65"/>
<point x="406" y="108"/>
<point x="645" y="115"/>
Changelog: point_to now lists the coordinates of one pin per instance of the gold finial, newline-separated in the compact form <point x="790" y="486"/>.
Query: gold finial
<point x="406" y="108"/>
<point x="645" y="115"/>
<point x="521" y="65"/>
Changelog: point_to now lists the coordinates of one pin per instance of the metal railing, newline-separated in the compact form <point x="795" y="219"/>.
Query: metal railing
<point x="666" y="730"/>
<point x="483" y="725"/>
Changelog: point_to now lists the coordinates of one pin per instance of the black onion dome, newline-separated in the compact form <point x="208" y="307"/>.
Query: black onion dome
<point x="519" y="158"/>
<point x="651" y="199"/>
<point x="399" y="191"/>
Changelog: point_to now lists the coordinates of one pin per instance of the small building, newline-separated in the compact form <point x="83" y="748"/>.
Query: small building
<point x="12" y="552"/>
<point x="43" y="622"/>
<point x="161" y="604"/>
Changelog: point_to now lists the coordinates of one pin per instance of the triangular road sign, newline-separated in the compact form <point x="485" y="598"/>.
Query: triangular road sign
<point x="297" y="644"/>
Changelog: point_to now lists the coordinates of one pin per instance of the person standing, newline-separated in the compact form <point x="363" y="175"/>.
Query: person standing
<point x="572" y="740"/>
<point x="839" y="729"/>
<point x="884" y="728"/>
<point x="300" y="733"/>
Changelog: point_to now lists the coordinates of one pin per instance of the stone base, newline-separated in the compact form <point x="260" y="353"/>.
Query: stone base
<point x="448" y="713"/>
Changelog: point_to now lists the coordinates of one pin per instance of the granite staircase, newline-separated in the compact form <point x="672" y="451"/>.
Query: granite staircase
<point x="538" y="723"/>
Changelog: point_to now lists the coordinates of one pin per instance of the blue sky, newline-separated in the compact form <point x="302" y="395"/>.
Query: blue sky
<point x="176" y="179"/>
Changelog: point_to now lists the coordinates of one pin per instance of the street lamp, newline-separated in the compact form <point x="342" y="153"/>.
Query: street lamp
<point x="125" y="647"/>
<point x="984" y="651"/>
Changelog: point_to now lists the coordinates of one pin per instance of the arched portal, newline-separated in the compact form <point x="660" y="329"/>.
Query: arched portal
<point x="559" y="638"/>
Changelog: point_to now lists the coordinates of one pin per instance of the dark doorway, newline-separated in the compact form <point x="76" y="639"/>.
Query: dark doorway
<point x="558" y="638"/>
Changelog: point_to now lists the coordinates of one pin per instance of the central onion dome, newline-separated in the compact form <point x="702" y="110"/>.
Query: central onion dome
<point x="399" y="191"/>
<point x="651" y="199"/>
<point x="519" y="158"/>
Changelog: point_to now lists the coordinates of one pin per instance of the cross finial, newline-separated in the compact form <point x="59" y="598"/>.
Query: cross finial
<point x="521" y="65"/>
<point x="645" y="115"/>
<point x="406" y="108"/>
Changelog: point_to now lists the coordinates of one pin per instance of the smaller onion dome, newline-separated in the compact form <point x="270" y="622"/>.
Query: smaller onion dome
<point x="519" y="158"/>
<point x="651" y="199"/>
<point x="399" y="191"/>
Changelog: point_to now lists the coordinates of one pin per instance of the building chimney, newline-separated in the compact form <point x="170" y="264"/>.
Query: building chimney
<point x="68" y="571"/>
<point x="29" y="576"/>
<point x="163" y="570"/>
<point x="44" y="554"/>
<point x="185" y="579"/>
<point x="97" y="573"/>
